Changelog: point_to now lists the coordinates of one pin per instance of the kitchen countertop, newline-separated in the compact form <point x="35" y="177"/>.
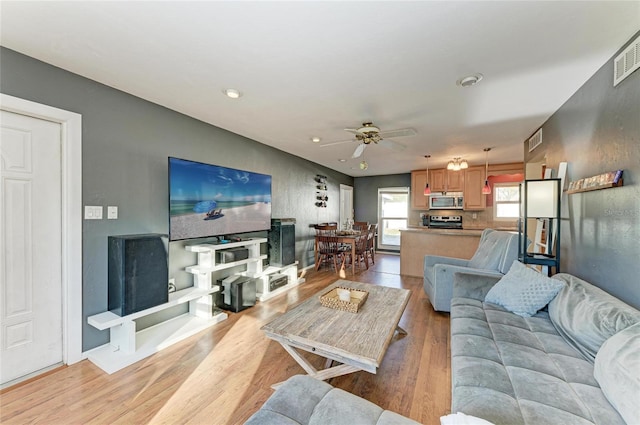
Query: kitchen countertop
<point x="474" y="228"/>
<point x="454" y="232"/>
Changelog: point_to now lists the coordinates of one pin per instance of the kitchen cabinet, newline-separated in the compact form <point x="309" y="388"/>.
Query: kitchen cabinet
<point x="415" y="243"/>
<point x="455" y="181"/>
<point x="443" y="180"/>
<point x="474" y="178"/>
<point x="418" y="181"/>
<point x="437" y="180"/>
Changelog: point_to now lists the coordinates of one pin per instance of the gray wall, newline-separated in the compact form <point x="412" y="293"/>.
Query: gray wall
<point x="595" y="131"/>
<point x="126" y="142"/>
<point x="365" y="194"/>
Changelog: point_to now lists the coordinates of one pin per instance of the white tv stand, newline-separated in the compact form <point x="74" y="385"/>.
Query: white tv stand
<point x="207" y="264"/>
<point x="126" y="346"/>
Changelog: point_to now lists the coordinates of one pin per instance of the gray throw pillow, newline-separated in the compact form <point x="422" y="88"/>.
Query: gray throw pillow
<point x="617" y="370"/>
<point x="523" y="291"/>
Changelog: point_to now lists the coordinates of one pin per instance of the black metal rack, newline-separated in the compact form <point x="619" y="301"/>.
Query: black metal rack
<point x="531" y="207"/>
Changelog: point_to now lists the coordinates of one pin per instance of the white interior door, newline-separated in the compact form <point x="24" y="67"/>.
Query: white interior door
<point x="346" y="204"/>
<point x="30" y="247"/>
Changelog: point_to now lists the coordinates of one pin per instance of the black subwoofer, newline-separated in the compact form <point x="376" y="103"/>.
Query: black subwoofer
<point x="138" y="272"/>
<point x="282" y="242"/>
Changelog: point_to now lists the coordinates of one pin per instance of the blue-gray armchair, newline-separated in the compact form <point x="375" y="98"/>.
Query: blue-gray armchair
<point x="496" y="252"/>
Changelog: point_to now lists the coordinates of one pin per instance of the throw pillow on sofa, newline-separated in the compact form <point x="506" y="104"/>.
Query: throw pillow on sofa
<point x="617" y="370"/>
<point x="523" y="291"/>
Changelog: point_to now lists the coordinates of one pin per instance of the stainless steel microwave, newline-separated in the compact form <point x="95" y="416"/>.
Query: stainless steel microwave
<point x="448" y="201"/>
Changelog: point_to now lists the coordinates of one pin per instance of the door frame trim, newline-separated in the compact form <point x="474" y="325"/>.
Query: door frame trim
<point x="399" y="189"/>
<point x="71" y="197"/>
<point x="346" y="188"/>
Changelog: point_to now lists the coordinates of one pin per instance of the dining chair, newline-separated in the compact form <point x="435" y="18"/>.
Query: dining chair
<point x="328" y="246"/>
<point x="360" y="254"/>
<point x="360" y="226"/>
<point x="371" y="242"/>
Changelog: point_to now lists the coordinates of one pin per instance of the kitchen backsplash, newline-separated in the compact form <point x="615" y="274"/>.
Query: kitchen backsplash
<point x="482" y="220"/>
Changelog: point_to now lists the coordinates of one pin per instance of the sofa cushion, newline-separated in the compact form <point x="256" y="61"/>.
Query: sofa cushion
<point x="523" y="291"/>
<point x="308" y="401"/>
<point x="287" y="406"/>
<point x="617" y="370"/>
<point x="586" y="316"/>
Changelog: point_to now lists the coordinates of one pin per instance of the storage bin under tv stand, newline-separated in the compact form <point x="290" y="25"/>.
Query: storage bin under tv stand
<point x="127" y="346"/>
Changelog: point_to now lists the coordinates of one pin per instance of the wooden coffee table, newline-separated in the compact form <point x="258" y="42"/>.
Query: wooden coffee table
<point x="358" y="341"/>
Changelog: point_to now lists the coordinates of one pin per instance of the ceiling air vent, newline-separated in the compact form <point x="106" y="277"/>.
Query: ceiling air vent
<point x="535" y="140"/>
<point x="626" y="62"/>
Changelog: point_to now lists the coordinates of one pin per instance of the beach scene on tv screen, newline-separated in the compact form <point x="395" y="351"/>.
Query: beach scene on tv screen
<point x="209" y="200"/>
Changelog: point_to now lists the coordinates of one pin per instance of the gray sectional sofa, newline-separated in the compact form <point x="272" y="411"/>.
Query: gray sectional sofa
<point x="577" y="363"/>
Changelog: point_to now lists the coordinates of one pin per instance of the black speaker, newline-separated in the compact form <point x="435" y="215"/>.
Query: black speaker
<point x="138" y="272"/>
<point x="231" y="255"/>
<point x="282" y="242"/>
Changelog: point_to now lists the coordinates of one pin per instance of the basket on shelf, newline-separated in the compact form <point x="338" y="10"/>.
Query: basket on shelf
<point x="331" y="299"/>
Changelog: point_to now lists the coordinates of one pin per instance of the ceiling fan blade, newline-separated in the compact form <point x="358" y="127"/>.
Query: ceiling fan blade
<point x="352" y="130"/>
<point x="324" y="145"/>
<point x="359" y="150"/>
<point x="402" y="132"/>
<point x="392" y="145"/>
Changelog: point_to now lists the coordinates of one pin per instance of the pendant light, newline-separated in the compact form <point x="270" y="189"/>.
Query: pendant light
<point x="427" y="190"/>
<point x="486" y="189"/>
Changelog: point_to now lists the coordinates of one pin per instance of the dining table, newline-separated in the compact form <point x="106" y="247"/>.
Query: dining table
<point x="346" y="237"/>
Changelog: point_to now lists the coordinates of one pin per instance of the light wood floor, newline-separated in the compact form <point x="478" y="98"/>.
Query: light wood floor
<point x="224" y="374"/>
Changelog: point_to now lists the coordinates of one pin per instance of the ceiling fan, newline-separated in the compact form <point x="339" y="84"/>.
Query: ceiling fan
<point x="369" y="133"/>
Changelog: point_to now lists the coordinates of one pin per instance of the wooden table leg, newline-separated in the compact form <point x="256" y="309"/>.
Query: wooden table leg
<point x="353" y="257"/>
<point x="321" y="375"/>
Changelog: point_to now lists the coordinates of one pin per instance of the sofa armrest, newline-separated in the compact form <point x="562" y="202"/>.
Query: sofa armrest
<point x="474" y="284"/>
<point x="432" y="260"/>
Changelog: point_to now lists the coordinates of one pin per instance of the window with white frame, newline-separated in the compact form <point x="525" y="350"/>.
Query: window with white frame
<point x="506" y="201"/>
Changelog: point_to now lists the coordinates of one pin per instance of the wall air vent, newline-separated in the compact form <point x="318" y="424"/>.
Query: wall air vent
<point x="626" y="62"/>
<point x="535" y="140"/>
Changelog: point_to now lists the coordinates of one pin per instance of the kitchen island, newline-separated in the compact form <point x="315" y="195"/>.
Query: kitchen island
<point x="418" y="241"/>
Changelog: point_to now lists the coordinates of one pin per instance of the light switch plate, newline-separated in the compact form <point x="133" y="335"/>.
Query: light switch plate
<point x="112" y="213"/>
<point x="92" y="212"/>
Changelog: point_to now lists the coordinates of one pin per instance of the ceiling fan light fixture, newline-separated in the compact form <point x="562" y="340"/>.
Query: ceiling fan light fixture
<point x="232" y="93"/>
<point x="450" y="165"/>
<point x="464" y="164"/>
<point x="368" y="127"/>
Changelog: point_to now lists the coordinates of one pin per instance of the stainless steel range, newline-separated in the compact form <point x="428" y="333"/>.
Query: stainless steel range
<point x="443" y="221"/>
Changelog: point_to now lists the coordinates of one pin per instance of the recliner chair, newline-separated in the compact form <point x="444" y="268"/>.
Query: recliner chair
<point x="495" y="254"/>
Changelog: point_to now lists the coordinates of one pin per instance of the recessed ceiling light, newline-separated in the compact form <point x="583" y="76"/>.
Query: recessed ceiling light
<point x="470" y="80"/>
<point x="232" y="93"/>
<point x="316" y="139"/>
<point x="342" y="160"/>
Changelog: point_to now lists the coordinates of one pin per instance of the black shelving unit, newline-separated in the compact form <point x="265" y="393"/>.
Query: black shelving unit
<point x="540" y="199"/>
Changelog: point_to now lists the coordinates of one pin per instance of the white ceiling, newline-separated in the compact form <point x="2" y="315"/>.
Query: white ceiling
<point x="313" y="68"/>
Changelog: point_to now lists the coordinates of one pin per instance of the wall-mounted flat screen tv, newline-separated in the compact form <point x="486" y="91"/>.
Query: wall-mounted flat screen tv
<point x="210" y="200"/>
